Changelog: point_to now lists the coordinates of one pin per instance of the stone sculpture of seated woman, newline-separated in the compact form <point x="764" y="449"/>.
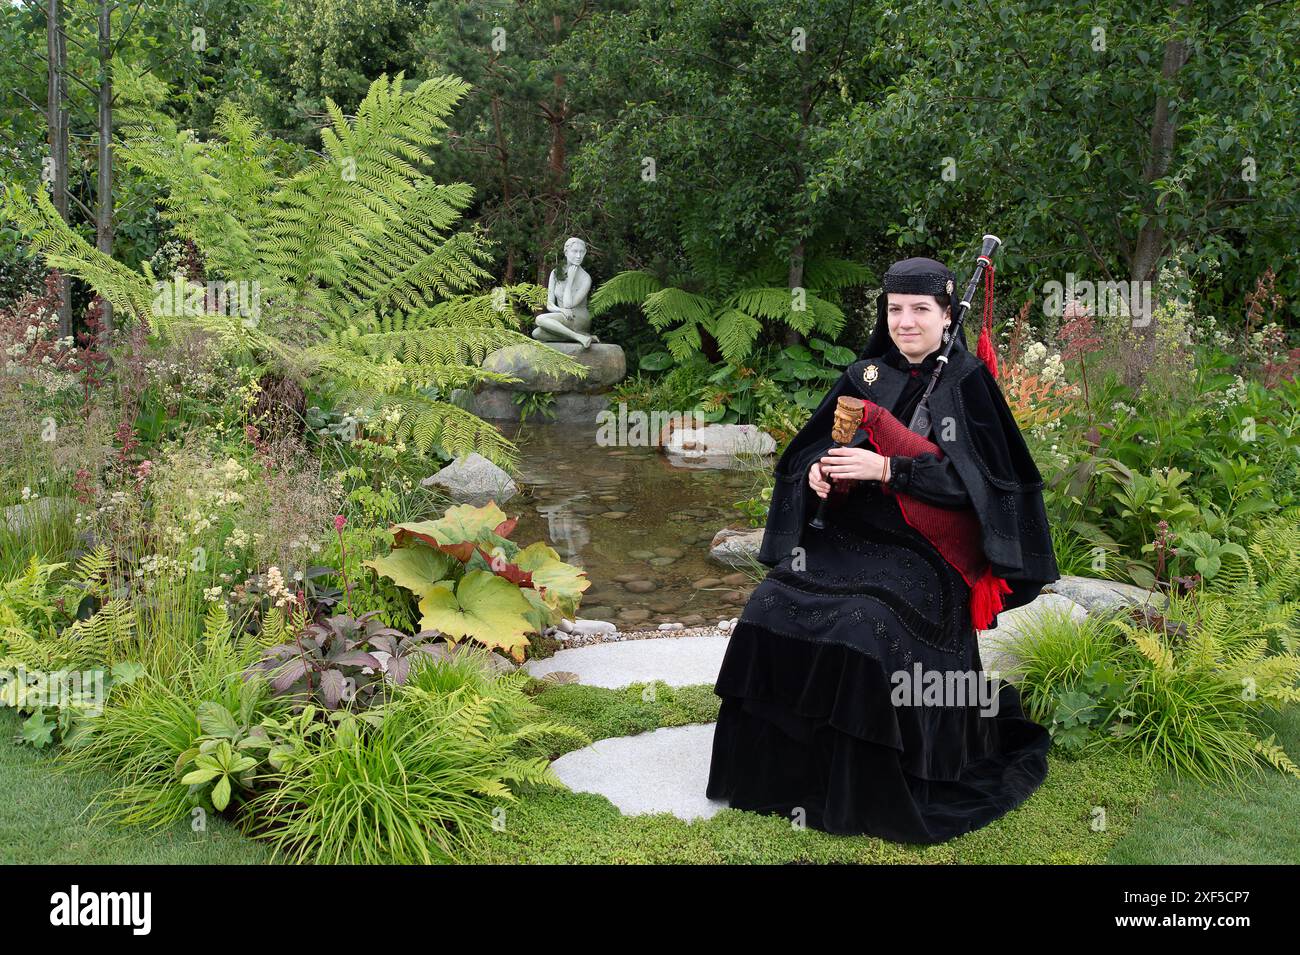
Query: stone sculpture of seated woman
<point x="566" y="298"/>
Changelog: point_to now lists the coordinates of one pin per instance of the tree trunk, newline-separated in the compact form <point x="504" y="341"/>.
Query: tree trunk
<point x="558" y="116"/>
<point x="1149" y="248"/>
<point x="792" y="336"/>
<point x="56" y="119"/>
<point x="503" y="157"/>
<point x="104" y="210"/>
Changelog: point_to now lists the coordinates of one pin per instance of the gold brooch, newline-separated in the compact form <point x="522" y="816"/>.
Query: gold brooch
<point x="948" y="287"/>
<point x="870" y="374"/>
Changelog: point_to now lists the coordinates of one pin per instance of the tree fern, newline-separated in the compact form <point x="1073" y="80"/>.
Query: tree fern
<point x="360" y="279"/>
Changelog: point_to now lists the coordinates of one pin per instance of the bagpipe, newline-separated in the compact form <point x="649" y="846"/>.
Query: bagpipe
<point x="920" y="422"/>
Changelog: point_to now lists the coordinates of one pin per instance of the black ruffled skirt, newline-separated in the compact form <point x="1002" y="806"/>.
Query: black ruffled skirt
<point x="853" y="695"/>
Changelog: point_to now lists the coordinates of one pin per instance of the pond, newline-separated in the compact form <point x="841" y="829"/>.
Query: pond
<point x="639" y="526"/>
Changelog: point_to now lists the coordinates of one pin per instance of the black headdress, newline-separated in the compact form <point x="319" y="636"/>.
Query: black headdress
<point x="917" y="276"/>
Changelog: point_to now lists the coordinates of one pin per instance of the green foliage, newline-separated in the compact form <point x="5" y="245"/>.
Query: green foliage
<point x="1095" y="197"/>
<point x="60" y="705"/>
<point x="775" y="388"/>
<point x="42" y="628"/>
<point x="534" y="403"/>
<point x="145" y="733"/>
<point x="738" y="306"/>
<point x="231" y="758"/>
<point x="417" y="783"/>
<point x="756" y="508"/>
<point x="473" y="582"/>
<point x="354" y="272"/>
<point x="1183" y="691"/>
<point x="1211" y="468"/>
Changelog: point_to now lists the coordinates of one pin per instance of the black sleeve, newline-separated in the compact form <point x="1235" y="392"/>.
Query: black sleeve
<point x="929" y="479"/>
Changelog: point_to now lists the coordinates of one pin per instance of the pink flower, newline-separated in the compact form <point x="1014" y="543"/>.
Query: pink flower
<point x="339" y="523"/>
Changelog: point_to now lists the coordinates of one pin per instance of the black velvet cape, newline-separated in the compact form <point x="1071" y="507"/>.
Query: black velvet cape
<point x="808" y="728"/>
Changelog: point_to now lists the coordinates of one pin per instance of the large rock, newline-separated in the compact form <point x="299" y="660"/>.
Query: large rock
<point x="605" y="364"/>
<point x="677" y="661"/>
<point x="996" y="645"/>
<point x="717" y="445"/>
<point x="570" y="407"/>
<point x="474" y="480"/>
<point x="734" y="547"/>
<point x="664" y="770"/>
<point x="1095" y="594"/>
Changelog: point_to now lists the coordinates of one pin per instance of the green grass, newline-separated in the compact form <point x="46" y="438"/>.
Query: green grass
<point x="44" y="814"/>
<point x="45" y="819"/>
<point x="1191" y="823"/>
<point x="554" y="826"/>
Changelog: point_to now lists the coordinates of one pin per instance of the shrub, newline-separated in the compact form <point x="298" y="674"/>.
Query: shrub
<point x="473" y="581"/>
<point x="1182" y="690"/>
<point x="417" y="781"/>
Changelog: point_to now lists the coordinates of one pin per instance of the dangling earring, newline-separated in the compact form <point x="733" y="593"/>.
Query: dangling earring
<point x="946" y="334"/>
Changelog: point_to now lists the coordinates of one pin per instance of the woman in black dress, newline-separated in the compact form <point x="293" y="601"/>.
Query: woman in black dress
<point x="808" y="726"/>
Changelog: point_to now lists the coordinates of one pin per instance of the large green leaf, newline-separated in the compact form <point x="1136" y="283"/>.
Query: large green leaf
<point x="460" y="528"/>
<point x="559" y="582"/>
<point x="415" y="567"/>
<point x="484" y="607"/>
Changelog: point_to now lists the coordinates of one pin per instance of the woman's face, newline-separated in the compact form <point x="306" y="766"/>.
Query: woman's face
<point x="916" y="323"/>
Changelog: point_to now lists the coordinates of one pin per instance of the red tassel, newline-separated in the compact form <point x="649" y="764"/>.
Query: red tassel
<point x="986" y="599"/>
<point x="985" y="352"/>
<point x="984" y="349"/>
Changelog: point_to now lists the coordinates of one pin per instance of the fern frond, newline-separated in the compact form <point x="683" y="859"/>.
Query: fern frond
<point x="626" y="288"/>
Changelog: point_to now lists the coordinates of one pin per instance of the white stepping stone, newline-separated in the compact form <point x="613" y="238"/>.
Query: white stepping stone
<point x="676" y="661"/>
<point x="665" y="770"/>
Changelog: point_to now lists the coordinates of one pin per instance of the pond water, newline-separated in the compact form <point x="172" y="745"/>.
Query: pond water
<point x="637" y="525"/>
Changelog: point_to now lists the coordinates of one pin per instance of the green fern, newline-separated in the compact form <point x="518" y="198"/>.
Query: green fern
<point x="360" y="279"/>
<point x="739" y="305"/>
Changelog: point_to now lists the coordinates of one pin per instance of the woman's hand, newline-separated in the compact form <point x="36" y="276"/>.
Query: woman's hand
<point x="858" y="463"/>
<point x="815" y="480"/>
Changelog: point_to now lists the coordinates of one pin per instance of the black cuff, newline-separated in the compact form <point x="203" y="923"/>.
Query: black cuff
<point x="900" y="472"/>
